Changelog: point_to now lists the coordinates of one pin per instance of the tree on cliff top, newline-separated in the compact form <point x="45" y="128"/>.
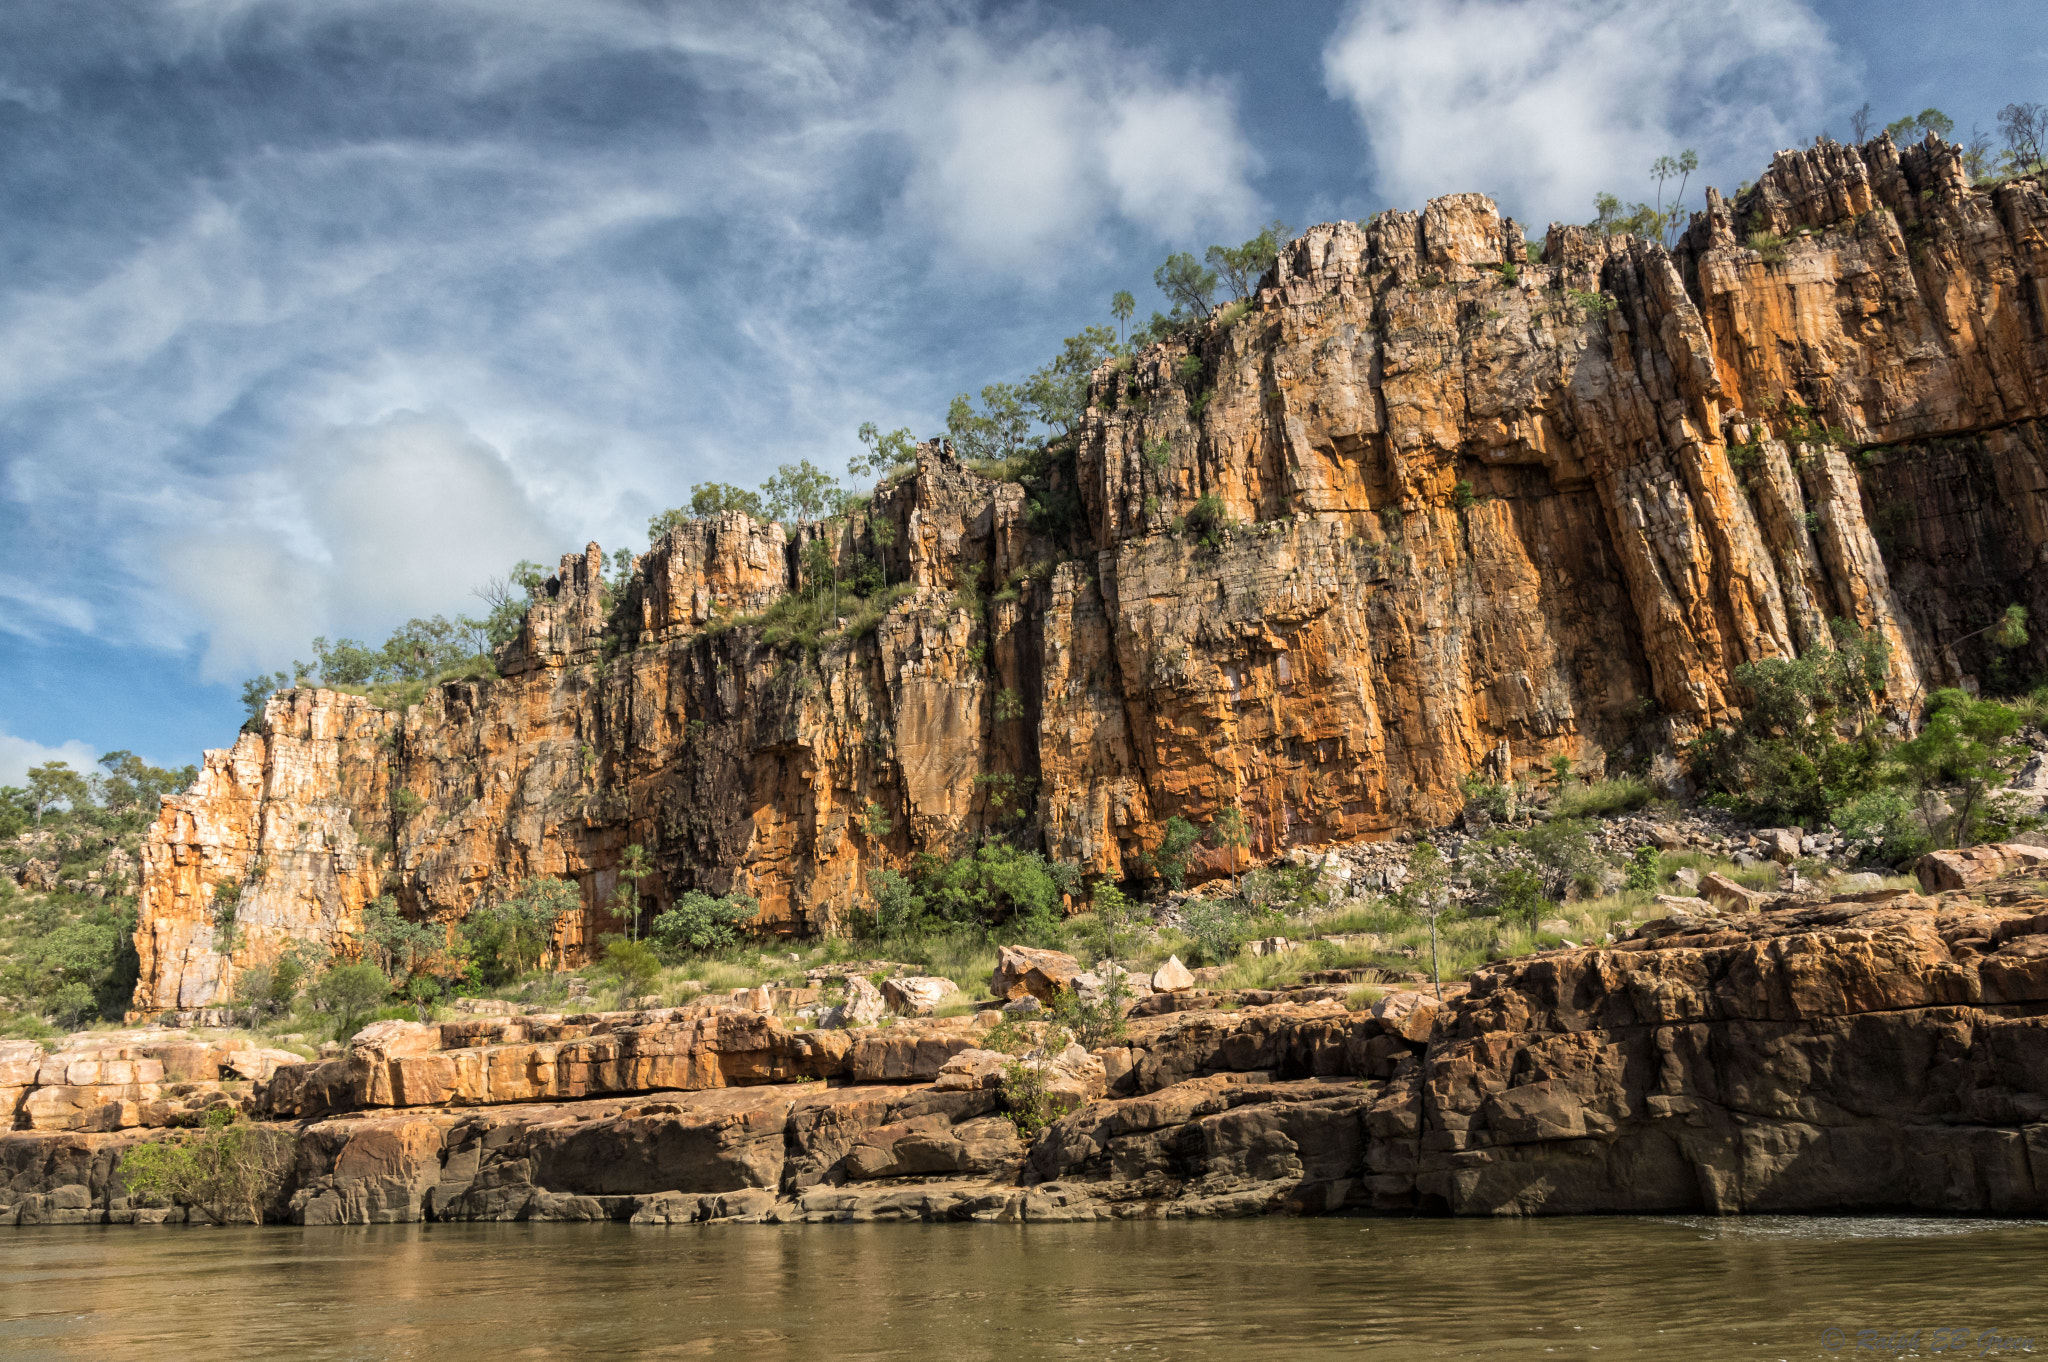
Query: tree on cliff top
<point x="1240" y="267"/>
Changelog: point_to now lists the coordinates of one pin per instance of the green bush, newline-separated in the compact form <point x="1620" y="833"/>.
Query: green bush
<point x="1169" y="860"/>
<point x="229" y="1170"/>
<point x="1645" y="870"/>
<point x="1885" y="820"/>
<point x="699" y="922"/>
<point x="349" y="991"/>
<point x="1602" y="799"/>
<point x="632" y="964"/>
<point x="514" y="935"/>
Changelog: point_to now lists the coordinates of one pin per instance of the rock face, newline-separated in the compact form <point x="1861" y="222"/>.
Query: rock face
<point x="1422" y="509"/>
<point x="1883" y="1053"/>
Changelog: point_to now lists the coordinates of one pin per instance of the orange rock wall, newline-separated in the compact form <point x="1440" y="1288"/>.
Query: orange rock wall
<point x="1421" y="509"/>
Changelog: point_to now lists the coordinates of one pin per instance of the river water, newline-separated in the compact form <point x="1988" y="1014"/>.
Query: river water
<point x="1415" y="1289"/>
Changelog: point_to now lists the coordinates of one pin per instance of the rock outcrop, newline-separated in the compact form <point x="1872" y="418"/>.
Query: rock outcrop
<point x="1420" y="509"/>
<point x="1883" y="1051"/>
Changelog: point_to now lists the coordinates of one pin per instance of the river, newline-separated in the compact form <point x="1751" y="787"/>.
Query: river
<point x="1415" y="1289"/>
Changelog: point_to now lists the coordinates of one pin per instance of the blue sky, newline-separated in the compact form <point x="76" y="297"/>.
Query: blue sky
<point x="314" y="314"/>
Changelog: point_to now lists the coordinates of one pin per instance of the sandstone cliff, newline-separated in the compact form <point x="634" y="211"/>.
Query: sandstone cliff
<point x="1480" y="512"/>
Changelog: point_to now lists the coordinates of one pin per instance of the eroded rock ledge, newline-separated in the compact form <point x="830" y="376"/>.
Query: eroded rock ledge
<point x="1882" y="1052"/>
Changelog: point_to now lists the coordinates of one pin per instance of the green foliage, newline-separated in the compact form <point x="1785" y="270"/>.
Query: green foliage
<point x="68" y="956"/>
<point x="349" y="991"/>
<point x="1220" y="926"/>
<point x="885" y="453"/>
<point x="634" y="965"/>
<point x="634" y="867"/>
<point x="1027" y="1098"/>
<point x="698" y="921"/>
<point x="514" y="934"/>
<point x="1239" y="267"/>
<point x="1208" y="520"/>
<point x="1565" y="860"/>
<point x="1097" y="1022"/>
<point x="708" y="501"/>
<point x="1884" y="820"/>
<point x="1121" y="306"/>
<point x="1517" y="895"/>
<point x="1495" y="799"/>
<point x="1645" y="869"/>
<point x="801" y="491"/>
<point x="225" y="907"/>
<point x="399" y="946"/>
<point x="1602" y="799"/>
<point x="1461" y="496"/>
<point x="1784" y="761"/>
<point x="1189" y="288"/>
<point x="1914" y="127"/>
<point x="1008" y="707"/>
<point x="1591" y="305"/>
<point x="405" y="803"/>
<point x="417" y="654"/>
<point x="874" y="822"/>
<point x="1960" y="745"/>
<point x="274" y="987"/>
<point x="1169" y="860"/>
<point x="1113" y="931"/>
<point x="1769" y="245"/>
<point x="229" y="1170"/>
<point x="996" y="885"/>
<point x="53" y="783"/>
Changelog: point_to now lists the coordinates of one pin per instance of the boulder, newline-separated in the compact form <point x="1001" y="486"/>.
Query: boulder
<point x="1172" y="977"/>
<point x="1042" y="974"/>
<point x="1666" y="838"/>
<point x="1972" y="866"/>
<point x="1730" y="897"/>
<point x="1859" y="882"/>
<point x="1779" y="844"/>
<point x="919" y="995"/>
<point x="1407" y="1013"/>
<point x="864" y="1005"/>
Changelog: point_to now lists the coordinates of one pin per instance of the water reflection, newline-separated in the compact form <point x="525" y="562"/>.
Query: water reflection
<point x="1595" y="1288"/>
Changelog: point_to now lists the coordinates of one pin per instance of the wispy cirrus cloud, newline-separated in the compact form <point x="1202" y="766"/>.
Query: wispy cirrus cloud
<point x="323" y="312"/>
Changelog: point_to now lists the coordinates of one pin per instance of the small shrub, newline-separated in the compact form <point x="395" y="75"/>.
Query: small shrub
<point x="1208" y="519"/>
<point x="1169" y="860"/>
<point x="632" y="964"/>
<point x="229" y="1171"/>
<point x="405" y="803"/>
<point x="1603" y="799"/>
<point x="1027" y="1098"/>
<point x="349" y="991"/>
<point x="1769" y="245"/>
<point x="1645" y="871"/>
<point x="1461" y="495"/>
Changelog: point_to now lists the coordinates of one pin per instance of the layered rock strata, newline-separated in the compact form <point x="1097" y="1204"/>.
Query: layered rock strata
<point x="1887" y="1052"/>
<point x="1420" y="509"/>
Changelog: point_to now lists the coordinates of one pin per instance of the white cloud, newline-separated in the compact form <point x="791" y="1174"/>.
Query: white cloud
<point x="608" y="249"/>
<point x="18" y="754"/>
<point x="1028" y="146"/>
<point x="1543" y="103"/>
<point x="371" y="524"/>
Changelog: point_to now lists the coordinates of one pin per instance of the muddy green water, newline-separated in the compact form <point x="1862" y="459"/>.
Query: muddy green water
<point x="1592" y="1288"/>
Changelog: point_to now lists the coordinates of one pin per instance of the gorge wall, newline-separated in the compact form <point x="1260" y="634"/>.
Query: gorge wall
<point x="1480" y="512"/>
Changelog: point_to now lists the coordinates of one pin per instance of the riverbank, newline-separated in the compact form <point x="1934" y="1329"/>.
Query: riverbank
<point x="1883" y="1051"/>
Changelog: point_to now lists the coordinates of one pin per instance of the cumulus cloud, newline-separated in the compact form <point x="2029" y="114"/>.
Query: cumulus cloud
<point x="18" y="754"/>
<point x="1543" y="103"/>
<point x="1021" y="148"/>
<point x="370" y="524"/>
